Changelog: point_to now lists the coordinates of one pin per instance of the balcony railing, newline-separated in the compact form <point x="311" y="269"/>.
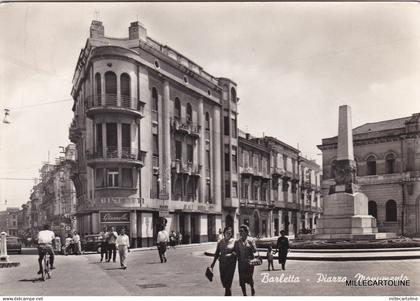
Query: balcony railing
<point x="185" y="126"/>
<point x="277" y="171"/>
<point x="246" y="170"/>
<point x="111" y="152"/>
<point x="188" y="168"/>
<point x="112" y="101"/>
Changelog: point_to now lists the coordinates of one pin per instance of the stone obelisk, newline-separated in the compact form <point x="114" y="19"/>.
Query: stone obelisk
<point x="345" y="213"/>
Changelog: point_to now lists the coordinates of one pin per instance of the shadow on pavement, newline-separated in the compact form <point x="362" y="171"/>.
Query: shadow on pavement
<point x="155" y="262"/>
<point x="32" y="280"/>
<point x="110" y="269"/>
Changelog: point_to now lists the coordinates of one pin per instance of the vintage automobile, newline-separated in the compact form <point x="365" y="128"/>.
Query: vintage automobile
<point x="92" y="243"/>
<point x="14" y="244"/>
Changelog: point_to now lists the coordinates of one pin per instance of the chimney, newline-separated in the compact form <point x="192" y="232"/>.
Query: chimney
<point x="96" y="29"/>
<point x="137" y="31"/>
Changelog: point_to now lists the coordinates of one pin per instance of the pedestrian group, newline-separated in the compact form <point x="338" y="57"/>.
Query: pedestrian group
<point x="229" y="251"/>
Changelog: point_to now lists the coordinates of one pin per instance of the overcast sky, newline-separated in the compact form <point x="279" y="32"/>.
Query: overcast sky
<point x="294" y="64"/>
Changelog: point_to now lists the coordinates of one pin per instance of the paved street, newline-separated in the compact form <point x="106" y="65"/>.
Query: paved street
<point x="183" y="274"/>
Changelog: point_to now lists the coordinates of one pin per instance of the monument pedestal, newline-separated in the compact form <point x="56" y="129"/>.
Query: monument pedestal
<point x="346" y="217"/>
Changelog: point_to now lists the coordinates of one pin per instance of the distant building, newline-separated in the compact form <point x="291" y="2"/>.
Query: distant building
<point x="9" y="221"/>
<point x="387" y="154"/>
<point x="279" y="189"/>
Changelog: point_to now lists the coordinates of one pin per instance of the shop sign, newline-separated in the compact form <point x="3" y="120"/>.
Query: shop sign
<point x="115" y="217"/>
<point x="163" y="211"/>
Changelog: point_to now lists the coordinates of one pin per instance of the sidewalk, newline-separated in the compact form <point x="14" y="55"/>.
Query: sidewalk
<point x="177" y="247"/>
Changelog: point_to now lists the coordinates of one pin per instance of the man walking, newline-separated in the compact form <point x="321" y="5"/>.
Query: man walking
<point x="112" y="249"/>
<point x="282" y="248"/>
<point x="76" y="242"/>
<point x="104" y="243"/>
<point x="162" y="241"/>
<point x="123" y="245"/>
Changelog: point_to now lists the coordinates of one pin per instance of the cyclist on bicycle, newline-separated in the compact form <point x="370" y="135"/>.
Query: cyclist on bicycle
<point x="45" y="245"/>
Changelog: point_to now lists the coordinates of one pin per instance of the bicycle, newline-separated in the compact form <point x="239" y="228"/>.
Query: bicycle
<point x="46" y="274"/>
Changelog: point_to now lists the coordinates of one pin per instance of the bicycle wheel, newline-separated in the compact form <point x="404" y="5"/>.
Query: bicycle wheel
<point x="44" y="264"/>
<point x="47" y="267"/>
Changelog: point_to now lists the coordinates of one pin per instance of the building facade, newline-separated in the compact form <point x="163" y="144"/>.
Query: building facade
<point x="279" y="189"/>
<point x="387" y="155"/>
<point x="150" y="128"/>
<point x="9" y="221"/>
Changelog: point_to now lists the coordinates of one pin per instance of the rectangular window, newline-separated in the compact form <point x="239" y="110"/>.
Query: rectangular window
<point x="111" y="134"/>
<point x="227" y="158"/>
<point x="99" y="177"/>
<point x="127" y="177"/>
<point x="178" y="150"/>
<point x="126" y="138"/>
<point x="285" y="162"/>
<point x="208" y="193"/>
<point x="112" y="177"/>
<point x="234" y="128"/>
<point x="234" y="159"/>
<point x="244" y="192"/>
<point x="155" y="187"/>
<point x="155" y="145"/>
<point x="226" y="125"/>
<point x="99" y="142"/>
<point x="190" y="153"/>
<point x="234" y="189"/>
<point x="227" y="189"/>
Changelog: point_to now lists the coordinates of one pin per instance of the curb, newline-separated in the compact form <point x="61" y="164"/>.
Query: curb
<point x="342" y="258"/>
<point x="177" y="247"/>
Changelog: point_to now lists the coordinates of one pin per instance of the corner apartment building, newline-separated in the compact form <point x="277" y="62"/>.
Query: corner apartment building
<point x="388" y="171"/>
<point x="271" y="198"/>
<point x="155" y="136"/>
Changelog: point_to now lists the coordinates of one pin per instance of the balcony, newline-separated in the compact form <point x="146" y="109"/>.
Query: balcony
<point x="127" y="155"/>
<point x="113" y="103"/>
<point x="188" y="168"/>
<point x="277" y="172"/>
<point x="265" y="174"/>
<point x="246" y="170"/>
<point x="184" y="126"/>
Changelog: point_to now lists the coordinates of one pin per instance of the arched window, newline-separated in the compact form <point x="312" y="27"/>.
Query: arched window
<point x="110" y="83"/>
<point x="371" y="165"/>
<point x="372" y="209"/>
<point x="233" y="94"/>
<point x="177" y="111"/>
<point x="391" y="211"/>
<point x="125" y="85"/>
<point x="189" y="112"/>
<point x="390" y="163"/>
<point x="98" y="84"/>
<point x="207" y="121"/>
<point x="155" y="104"/>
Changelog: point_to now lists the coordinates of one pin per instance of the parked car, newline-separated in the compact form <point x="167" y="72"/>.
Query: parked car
<point x="92" y="243"/>
<point x="14" y="244"/>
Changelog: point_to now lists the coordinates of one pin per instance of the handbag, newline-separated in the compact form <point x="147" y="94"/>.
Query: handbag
<point x="256" y="260"/>
<point x="209" y="274"/>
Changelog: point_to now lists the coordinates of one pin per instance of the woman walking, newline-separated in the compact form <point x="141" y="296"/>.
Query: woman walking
<point x="225" y="252"/>
<point x="245" y="248"/>
<point x="283" y="249"/>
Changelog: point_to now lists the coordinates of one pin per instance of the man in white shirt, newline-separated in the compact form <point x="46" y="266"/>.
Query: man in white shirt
<point x="45" y="242"/>
<point x="76" y="242"/>
<point x="162" y="241"/>
<point x="123" y="245"/>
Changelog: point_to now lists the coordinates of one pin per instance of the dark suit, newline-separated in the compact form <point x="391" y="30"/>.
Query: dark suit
<point x="283" y="248"/>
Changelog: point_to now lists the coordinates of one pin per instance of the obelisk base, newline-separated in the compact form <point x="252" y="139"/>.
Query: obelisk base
<point x="346" y="217"/>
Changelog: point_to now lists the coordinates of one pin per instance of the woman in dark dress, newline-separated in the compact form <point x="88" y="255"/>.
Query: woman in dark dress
<point x="245" y="248"/>
<point x="282" y="248"/>
<point x="227" y="259"/>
